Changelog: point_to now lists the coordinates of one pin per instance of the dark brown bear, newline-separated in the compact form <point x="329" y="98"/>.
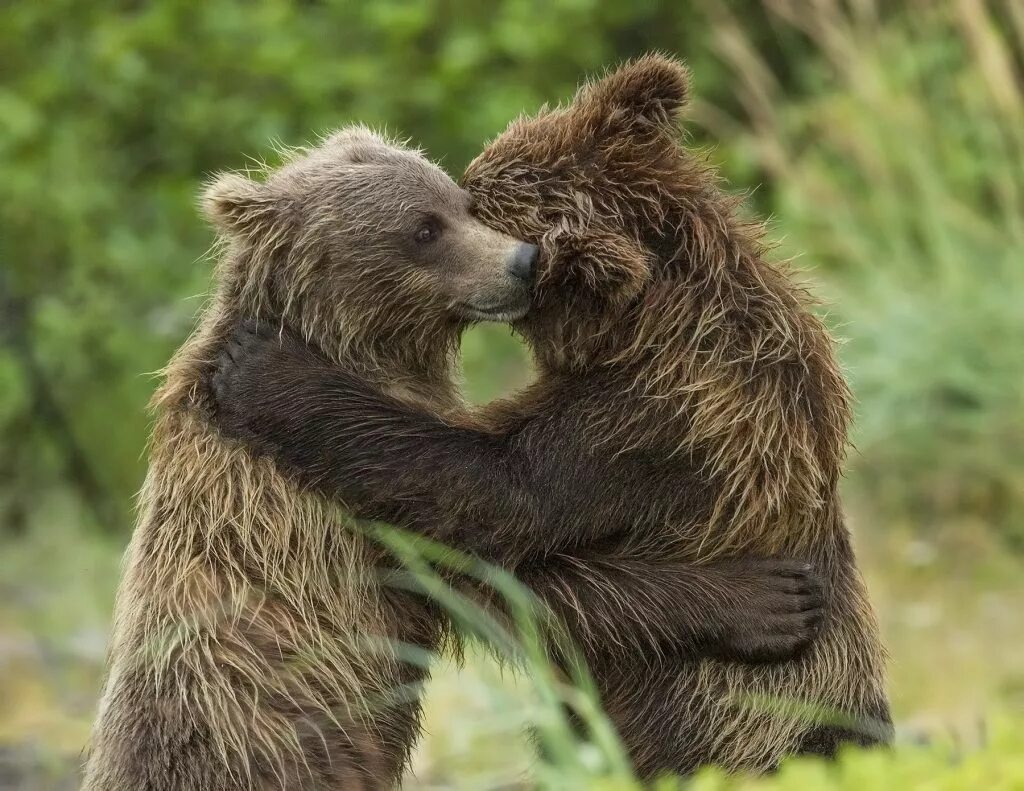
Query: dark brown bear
<point x="688" y="408"/>
<point x="251" y="646"/>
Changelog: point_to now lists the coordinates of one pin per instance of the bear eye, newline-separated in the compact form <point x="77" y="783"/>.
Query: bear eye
<point x="427" y="232"/>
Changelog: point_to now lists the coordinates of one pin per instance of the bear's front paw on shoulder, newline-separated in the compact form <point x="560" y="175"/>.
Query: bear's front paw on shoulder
<point x="236" y="383"/>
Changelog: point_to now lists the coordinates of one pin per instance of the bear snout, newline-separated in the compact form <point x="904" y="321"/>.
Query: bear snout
<point x="522" y="263"/>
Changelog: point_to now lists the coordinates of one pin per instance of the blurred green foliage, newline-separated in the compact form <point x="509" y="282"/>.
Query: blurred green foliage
<point x="112" y="114"/>
<point x="996" y="766"/>
<point x="885" y="140"/>
<point x="896" y="167"/>
<point x="896" y="171"/>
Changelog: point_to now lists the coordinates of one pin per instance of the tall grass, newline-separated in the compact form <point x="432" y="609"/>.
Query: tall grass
<point x="576" y="745"/>
<point x="898" y="177"/>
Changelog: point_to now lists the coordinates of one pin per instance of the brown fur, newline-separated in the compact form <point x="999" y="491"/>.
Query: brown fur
<point x="250" y="637"/>
<point x="689" y="408"/>
<point x="652" y="276"/>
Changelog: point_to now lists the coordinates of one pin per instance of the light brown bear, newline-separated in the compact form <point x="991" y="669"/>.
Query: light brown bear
<point x="688" y="408"/>
<point x="238" y="657"/>
<point x="252" y="638"/>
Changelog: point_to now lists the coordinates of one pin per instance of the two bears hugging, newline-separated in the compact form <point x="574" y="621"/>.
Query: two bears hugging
<point x="667" y="487"/>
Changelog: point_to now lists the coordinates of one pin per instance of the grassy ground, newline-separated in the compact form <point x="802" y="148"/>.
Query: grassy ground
<point x="949" y="609"/>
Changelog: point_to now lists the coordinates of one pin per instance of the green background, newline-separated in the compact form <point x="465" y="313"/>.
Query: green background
<point x="884" y="140"/>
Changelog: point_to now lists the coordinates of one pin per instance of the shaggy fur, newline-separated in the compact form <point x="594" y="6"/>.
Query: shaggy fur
<point x="252" y="639"/>
<point x="249" y="646"/>
<point x="688" y="408"/>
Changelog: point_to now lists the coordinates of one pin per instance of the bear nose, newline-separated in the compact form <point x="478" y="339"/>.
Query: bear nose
<point x="523" y="264"/>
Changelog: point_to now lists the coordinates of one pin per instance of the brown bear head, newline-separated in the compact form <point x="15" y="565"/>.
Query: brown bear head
<point x="649" y="272"/>
<point x="365" y="248"/>
<point x="588" y="183"/>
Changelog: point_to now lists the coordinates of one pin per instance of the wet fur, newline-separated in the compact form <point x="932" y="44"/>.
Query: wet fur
<point x="249" y="647"/>
<point x="720" y="365"/>
<point x="689" y="408"/>
<point x="232" y="663"/>
<point x="251" y="637"/>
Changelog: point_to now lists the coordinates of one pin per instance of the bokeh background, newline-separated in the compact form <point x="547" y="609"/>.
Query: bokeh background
<point x="885" y="140"/>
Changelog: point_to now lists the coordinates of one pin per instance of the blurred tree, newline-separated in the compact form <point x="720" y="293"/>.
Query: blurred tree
<point x="111" y="115"/>
<point x="113" y="112"/>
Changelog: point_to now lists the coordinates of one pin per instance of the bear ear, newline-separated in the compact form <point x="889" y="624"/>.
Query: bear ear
<point x="612" y="267"/>
<point x="237" y="205"/>
<point x="653" y="89"/>
<point x="360" y="143"/>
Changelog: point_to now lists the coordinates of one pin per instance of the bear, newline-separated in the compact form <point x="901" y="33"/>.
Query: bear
<point x="234" y="660"/>
<point x="688" y="407"/>
<point x="253" y="640"/>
